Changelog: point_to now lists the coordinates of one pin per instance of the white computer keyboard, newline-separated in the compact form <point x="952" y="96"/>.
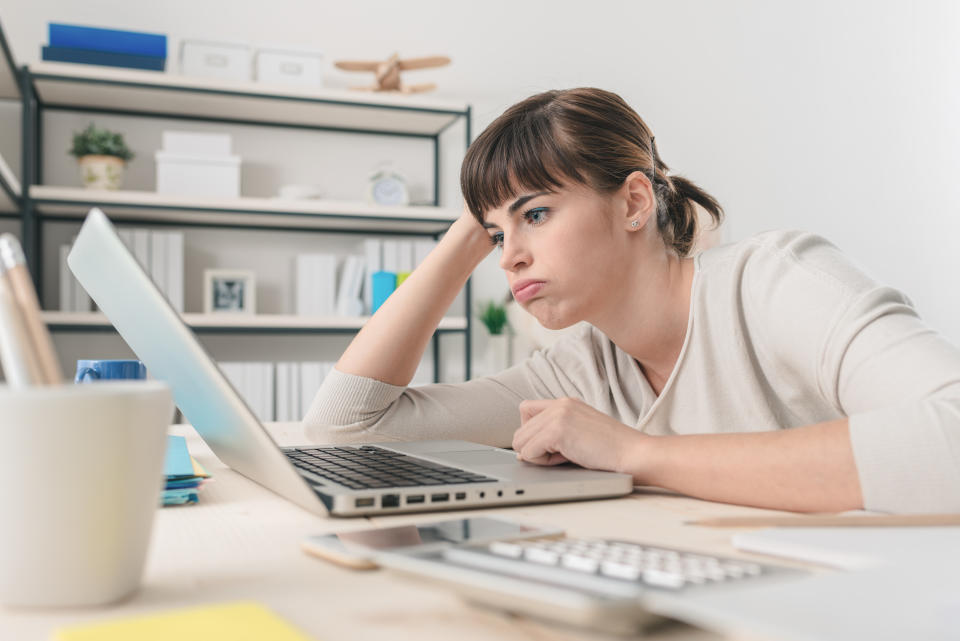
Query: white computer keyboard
<point x="613" y="567"/>
<point x="598" y="584"/>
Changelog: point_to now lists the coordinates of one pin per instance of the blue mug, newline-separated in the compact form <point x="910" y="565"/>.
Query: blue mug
<point x="101" y="370"/>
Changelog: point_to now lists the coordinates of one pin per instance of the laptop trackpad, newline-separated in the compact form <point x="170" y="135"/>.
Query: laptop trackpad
<point x="484" y="457"/>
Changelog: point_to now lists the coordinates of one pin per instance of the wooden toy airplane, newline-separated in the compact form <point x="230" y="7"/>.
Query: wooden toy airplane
<point x="388" y="72"/>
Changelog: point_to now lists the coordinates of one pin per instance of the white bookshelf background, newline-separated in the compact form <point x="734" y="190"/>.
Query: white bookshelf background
<point x="232" y="232"/>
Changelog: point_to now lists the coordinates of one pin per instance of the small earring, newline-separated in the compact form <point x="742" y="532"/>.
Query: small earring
<point x="635" y="224"/>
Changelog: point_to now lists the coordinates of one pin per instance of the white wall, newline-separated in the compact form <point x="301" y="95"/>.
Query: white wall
<point x="833" y="117"/>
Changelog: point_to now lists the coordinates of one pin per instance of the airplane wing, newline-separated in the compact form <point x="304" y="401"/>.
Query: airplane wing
<point x="424" y="63"/>
<point x="356" y="65"/>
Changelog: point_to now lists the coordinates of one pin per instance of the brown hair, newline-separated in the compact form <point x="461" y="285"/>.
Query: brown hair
<point x="586" y="135"/>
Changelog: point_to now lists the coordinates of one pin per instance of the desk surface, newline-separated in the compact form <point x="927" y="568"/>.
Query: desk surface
<point x="243" y="542"/>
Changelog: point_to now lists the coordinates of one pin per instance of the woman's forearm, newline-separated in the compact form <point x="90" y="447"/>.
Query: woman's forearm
<point x="804" y="469"/>
<point x="391" y="344"/>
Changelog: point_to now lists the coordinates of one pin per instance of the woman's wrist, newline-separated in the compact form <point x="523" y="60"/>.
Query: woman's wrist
<point x="469" y="232"/>
<point x="637" y="456"/>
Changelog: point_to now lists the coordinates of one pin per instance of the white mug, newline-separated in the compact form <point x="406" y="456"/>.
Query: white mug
<point x="81" y="470"/>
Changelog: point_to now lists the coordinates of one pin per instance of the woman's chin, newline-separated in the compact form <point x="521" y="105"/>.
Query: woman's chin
<point x="550" y="320"/>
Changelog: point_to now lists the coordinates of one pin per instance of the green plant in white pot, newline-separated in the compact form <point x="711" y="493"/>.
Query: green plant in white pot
<point x="499" y="354"/>
<point x="102" y="155"/>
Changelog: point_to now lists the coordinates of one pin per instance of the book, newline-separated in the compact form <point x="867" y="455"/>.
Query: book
<point x="66" y="281"/>
<point x="310" y="379"/>
<point x="316" y="286"/>
<point x="348" y="292"/>
<point x="391" y="256"/>
<point x="296" y="406"/>
<point x="141" y="247"/>
<point x="138" y="43"/>
<point x="103" y="58"/>
<point x="175" y="269"/>
<point x="373" y="253"/>
<point x="281" y="393"/>
<point x="158" y="261"/>
<point x="238" y="621"/>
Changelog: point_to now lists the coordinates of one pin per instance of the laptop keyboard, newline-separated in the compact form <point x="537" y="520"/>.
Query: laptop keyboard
<point x="373" y="467"/>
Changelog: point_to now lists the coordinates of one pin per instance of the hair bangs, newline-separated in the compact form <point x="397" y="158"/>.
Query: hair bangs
<point x="518" y="153"/>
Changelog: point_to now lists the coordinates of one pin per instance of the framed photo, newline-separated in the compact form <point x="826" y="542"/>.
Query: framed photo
<point x="229" y="291"/>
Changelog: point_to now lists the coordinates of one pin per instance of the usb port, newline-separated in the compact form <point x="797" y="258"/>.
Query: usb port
<point x="366" y="501"/>
<point x="390" y="500"/>
<point x="461" y="496"/>
<point x="416" y="498"/>
<point x="519" y="491"/>
<point x="437" y="498"/>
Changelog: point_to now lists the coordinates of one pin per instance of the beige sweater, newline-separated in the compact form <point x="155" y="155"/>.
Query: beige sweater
<point x="784" y="331"/>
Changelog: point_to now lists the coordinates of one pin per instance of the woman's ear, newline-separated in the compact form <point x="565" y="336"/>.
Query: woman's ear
<point x="641" y="204"/>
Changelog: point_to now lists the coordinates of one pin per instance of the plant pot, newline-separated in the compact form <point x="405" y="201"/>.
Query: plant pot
<point x="499" y="354"/>
<point x="101" y="172"/>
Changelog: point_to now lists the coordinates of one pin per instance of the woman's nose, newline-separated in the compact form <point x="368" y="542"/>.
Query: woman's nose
<point x="514" y="254"/>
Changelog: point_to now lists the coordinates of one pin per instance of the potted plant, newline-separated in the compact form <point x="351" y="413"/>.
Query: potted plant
<point x="499" y="343"/>
<point x="102" y="155"/>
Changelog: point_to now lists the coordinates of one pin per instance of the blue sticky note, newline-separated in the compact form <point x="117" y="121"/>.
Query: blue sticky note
<point x="177" y="461"/>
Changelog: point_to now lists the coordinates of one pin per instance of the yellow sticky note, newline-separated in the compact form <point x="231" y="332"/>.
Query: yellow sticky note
<point x="227" y="622"/>
<point x="198" y="469"/>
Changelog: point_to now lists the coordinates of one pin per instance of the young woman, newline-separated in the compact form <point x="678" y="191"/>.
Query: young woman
<point x="769" y="372"/>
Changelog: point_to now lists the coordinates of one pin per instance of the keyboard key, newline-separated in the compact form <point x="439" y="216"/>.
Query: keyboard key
<point x="618" y="570"/>
<point x="504" y="548"/>
<point x="538" y="555"/>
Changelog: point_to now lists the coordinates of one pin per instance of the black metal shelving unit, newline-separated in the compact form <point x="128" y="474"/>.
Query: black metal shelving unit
<point x="47" y="87"/>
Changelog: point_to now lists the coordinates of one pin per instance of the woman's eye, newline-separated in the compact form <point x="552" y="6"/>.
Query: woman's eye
<point x="536" y="216"/>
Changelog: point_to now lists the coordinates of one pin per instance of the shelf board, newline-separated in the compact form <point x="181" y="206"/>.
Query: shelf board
<point x="163" y="93"/>
<point x="145" y="206"/>
<point x="239" y="323"/>
<point x="9" y="82"/>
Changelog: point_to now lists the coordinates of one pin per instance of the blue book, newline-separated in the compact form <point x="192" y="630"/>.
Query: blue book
<point x="104" y="58"/>
<point x="69" y="36"/>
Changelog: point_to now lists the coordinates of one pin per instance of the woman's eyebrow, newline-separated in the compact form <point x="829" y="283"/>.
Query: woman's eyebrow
<point x="517" y="204"/>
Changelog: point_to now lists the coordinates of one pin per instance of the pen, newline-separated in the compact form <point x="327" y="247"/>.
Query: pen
<point x="857" y="520"/>
<point x="16" y="353"/>
<point x="14" y="264"/>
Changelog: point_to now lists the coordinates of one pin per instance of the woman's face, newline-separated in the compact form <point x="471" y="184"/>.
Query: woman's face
<point x="567" y="244"/>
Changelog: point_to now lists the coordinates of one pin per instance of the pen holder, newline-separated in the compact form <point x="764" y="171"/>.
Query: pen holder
<point x="81" y="470"/>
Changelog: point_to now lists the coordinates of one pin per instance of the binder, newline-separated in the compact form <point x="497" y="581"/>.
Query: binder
<point x="137" y="43"/>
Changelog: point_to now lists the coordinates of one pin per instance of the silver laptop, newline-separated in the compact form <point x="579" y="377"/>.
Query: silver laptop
<point x="345" y="481"/>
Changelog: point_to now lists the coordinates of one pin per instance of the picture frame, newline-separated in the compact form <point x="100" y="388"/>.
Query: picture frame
<point x="229" y="291"/>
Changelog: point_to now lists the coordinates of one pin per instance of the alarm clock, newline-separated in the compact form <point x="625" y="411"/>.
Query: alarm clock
<point x="387" y="187"/>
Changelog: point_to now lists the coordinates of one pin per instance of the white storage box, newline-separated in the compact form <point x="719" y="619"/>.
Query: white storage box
<point x="193" y="175"/>
<point x="216" y="60"/>
<point x="289" y="66"/>
<point x="197" y="144"/>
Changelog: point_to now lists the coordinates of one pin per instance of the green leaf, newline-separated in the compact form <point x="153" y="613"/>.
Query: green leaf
<point x="493" y="316"/>
<point x="101" y="142"/>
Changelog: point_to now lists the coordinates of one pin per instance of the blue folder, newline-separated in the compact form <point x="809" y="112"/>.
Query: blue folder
<point x="69" y="36"/>
<point x="106" y="58"/>
<point x="177" y="462"/>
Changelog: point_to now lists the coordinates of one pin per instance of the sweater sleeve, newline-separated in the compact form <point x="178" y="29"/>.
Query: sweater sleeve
<point x="876" y="362"/>
<point x="349" y="408"/>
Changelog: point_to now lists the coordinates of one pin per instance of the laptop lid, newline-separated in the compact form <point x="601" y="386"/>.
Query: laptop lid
<point x="157" y="335"/>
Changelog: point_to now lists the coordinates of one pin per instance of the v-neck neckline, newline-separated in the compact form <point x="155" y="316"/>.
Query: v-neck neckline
<point x="668" y="386"/>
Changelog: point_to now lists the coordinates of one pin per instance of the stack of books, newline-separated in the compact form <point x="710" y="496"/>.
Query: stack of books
<point x="330" y="286"/>
<point x="160" y="253"/>
<point x="109" y="47"/>
<point x="184" y="476"/>
<point x="284" y="391"/>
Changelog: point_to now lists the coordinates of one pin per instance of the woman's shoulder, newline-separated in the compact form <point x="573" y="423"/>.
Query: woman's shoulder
<point x="766" y="258"/>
